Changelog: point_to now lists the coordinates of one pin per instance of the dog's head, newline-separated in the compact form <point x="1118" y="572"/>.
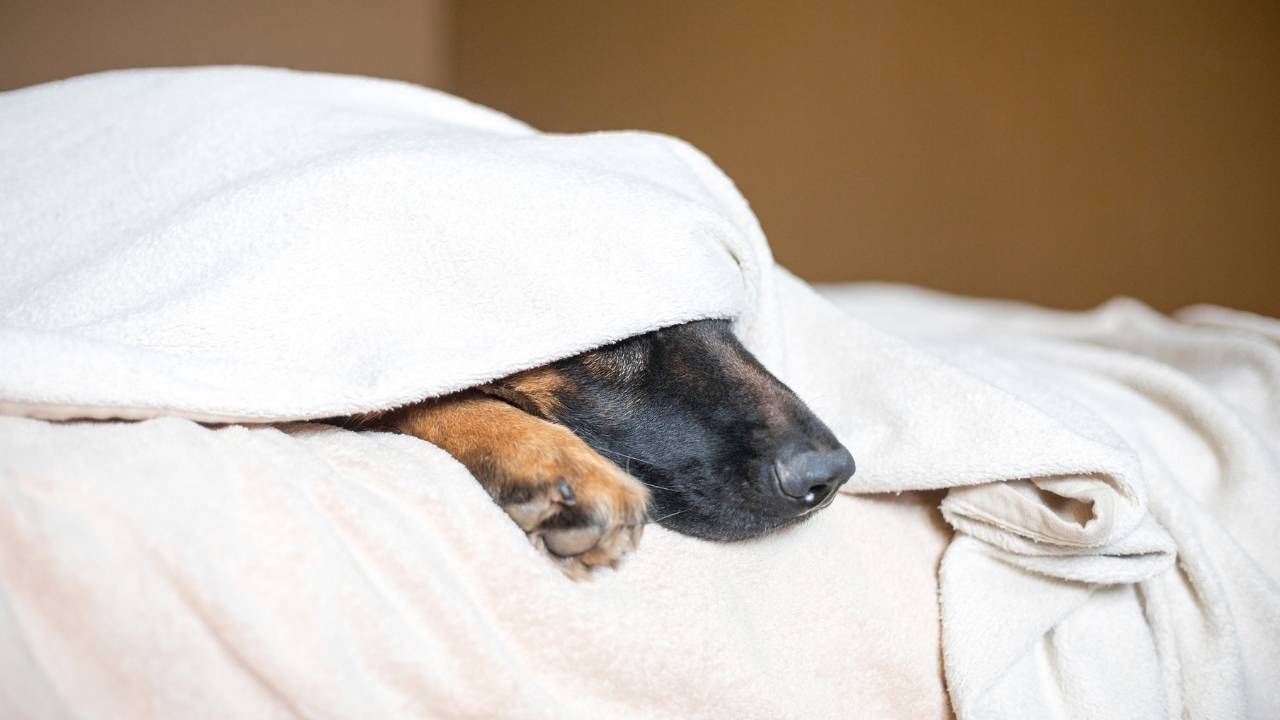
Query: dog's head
<point x="727" y="450"/>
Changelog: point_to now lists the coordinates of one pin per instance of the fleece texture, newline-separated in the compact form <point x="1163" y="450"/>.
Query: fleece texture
<point x="1032" y="628"/>
<point x="241" y="244"/>
<point x="263" y="246"/>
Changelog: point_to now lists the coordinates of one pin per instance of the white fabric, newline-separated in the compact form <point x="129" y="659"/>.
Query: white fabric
<point x="168" y="570"/>
<point x="253" y="244"/>
<point x="1196" y="400"/>
<point x="283" y="246"/>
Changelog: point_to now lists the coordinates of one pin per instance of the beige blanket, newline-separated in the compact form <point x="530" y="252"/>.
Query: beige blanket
<point x="164" y="569"/>
<point x="1196" y="399"/>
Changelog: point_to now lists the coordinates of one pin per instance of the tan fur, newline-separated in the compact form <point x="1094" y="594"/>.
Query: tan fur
<point x="534" y="390"/>
<point x="524" y="461"/>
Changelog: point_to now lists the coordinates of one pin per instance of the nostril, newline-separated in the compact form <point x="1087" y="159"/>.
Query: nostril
<point x="816" y="494"/>
<point x="811" y="476"/>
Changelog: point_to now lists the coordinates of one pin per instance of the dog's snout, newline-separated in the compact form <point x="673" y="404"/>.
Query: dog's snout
<point x="810" y="476"/>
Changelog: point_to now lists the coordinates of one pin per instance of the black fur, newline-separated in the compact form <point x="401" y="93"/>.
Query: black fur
<point x="689" y="412"/>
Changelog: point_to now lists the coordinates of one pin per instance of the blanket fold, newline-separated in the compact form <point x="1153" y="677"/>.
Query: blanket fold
<point x="1115" y="630"/>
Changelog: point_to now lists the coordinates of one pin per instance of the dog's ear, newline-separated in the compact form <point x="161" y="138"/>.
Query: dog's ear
<point x="536" y="391"/>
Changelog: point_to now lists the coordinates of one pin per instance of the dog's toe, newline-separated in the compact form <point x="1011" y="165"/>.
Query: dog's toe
<point x="572" y="541"/>
<point x="591" y="515"/>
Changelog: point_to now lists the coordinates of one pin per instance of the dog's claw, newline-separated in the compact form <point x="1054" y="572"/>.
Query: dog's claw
<point x="566" y="492"/>
<point x="589" y="513"/>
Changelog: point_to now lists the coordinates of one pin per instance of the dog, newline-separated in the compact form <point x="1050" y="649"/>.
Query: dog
<point x="681" y="426"/>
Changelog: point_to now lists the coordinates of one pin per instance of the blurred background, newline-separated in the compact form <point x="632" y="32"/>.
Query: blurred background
<point x="1055" y="152"/>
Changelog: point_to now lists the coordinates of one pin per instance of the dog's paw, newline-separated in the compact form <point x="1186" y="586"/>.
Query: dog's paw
<point x="577" y="507"/>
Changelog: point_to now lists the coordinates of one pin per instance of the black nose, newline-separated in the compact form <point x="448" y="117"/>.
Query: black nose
<point x="811" y="476"/>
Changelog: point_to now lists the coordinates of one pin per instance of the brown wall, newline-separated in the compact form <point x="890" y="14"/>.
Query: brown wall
<point x="1061" y="152"/>
<point x="44" y="40"/>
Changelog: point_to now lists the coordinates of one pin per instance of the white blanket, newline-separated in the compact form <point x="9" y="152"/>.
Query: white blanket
<point x="253" y="244"/>
<point x="1196" y="401"/>
<point x="246" y="244"/>
<point x="168" y="570"/>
